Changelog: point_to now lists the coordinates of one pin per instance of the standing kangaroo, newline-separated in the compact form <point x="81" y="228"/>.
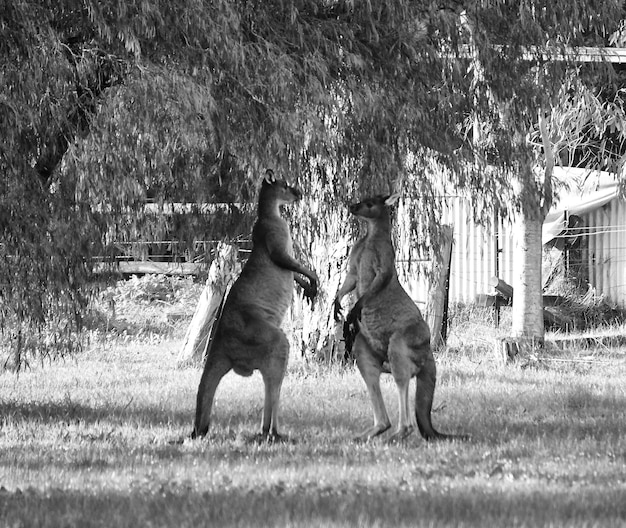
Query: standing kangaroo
<point x="248" y="334"/>
<point x="393" y="336"/>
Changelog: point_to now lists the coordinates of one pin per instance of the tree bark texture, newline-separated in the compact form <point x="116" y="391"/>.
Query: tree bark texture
<point x="527" y="317"/>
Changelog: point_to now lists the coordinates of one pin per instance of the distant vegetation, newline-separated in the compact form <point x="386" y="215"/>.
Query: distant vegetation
<point x="151" y="308"/>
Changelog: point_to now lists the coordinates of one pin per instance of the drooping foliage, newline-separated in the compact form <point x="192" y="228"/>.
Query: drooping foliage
<point x="530" y="60"/>
<point x="107" y="105"/>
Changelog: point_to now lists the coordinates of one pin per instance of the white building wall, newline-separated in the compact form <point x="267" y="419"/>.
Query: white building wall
<point x="473" y="254"/>
<point x="606" y="251"/>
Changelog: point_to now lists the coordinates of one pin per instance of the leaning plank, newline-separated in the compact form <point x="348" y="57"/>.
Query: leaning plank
<point x="224" y="269"/>
<point x="438" y="299"/>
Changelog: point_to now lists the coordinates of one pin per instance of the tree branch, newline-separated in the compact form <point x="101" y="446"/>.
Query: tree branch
<point x="106" y="73"/>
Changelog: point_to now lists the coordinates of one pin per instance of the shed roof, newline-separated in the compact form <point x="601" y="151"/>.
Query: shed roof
<point x="577" y="191"/>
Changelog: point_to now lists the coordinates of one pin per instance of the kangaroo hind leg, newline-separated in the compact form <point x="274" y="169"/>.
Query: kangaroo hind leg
<point x="424" y="393"/>
<point x="214" y="370"/>
<point x="370" y="368"/>
<point x="402" y="368"/>
<point x="273" y="369"/>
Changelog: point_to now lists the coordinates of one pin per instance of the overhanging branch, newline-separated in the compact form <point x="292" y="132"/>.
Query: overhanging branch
<point x="106" y="72"/>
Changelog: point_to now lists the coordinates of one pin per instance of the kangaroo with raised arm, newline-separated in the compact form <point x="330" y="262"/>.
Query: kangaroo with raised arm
<point x="248" y="335"/>
<point x="392" y="335"/>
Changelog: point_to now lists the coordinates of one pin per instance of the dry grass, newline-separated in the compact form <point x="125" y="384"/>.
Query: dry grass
<point x="92" y="441"/>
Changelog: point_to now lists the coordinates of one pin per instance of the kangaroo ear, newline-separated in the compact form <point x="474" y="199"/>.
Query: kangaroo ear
<point x="269" y="176"/>
<point x="392" y="199"/>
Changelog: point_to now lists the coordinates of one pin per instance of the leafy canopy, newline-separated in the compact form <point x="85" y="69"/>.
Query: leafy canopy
<point x="104" y="105"/>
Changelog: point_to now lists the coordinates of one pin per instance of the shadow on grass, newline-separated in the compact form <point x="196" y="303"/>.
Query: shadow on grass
<point x="225" y="426"/>
<point x="71" y="413"/>
<point x="576" y="414"/>
<point x="165" y="503"/>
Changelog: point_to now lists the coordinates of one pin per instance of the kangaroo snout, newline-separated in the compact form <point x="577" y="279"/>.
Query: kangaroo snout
<point x="297" y="193"/>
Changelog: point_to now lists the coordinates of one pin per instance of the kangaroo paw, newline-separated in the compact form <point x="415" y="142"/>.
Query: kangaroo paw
<point x="401" y="434"/>
<point x="372" y="432"/>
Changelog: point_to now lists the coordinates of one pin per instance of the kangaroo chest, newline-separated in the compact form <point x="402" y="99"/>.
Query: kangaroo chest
<point x="376" y="258"/>
<point x="263" y="283"/>
<point x="372" y="261"/>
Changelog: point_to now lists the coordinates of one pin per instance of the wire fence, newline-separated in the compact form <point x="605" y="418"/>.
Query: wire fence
<point x="595" y="253"/>
<point x="595" y="250"/>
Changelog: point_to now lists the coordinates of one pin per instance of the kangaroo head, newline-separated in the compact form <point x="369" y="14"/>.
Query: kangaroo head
<point x="374" y="207"/>
<point x="278" y="190"/>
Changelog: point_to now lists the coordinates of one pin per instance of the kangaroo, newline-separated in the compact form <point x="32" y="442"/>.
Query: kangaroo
<point x="392" y="335"/>
<point x="248" y="334"/>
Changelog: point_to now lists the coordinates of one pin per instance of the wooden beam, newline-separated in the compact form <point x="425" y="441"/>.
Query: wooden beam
<point x="506" y="290"/>
<point x="581" y="54"/>
<point x="136" y="267"/>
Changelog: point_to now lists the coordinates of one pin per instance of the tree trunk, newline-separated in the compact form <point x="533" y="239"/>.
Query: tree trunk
<point x="321" y="337"/>
<point x="223" y="271"/>
<point x="527" y="316"/>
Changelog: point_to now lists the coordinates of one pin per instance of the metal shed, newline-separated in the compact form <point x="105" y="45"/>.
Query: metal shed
<point x="482" y="252"/>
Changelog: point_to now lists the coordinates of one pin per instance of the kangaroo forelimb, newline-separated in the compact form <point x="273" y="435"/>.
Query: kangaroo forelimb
<point x="284" y="260"/>
<point x="309" y="288"/>
<point x="355" y="313"/>
<point x="348" y="285"/>
<point x="337" y="309"/>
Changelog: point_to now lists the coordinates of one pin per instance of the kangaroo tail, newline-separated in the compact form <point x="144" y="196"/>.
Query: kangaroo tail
<point x="424" y="391"/>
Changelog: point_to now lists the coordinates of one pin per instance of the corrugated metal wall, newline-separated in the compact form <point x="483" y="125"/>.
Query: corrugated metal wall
<point x="474" y="252"/>
<point x="606" y="251"/>
<point x="474" y="262"/>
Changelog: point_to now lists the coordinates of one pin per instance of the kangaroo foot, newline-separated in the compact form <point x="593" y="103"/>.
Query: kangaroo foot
<point x="179" y="441"/>
<point x="275" y="438"/>
<point x="401" y="434"/>
<point x="372" y="432"/>
<point x="436" y="436"/>
<point x="198" y="433"/>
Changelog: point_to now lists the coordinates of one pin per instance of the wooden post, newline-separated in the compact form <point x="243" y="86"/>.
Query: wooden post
<point x="224" y="269"/>
<point x="496" y="265"/>
<point x="437" y="307"/>
<point x="507" y="350"/>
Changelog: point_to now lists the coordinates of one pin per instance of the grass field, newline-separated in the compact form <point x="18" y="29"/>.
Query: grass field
<point x="92" y="442"/>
